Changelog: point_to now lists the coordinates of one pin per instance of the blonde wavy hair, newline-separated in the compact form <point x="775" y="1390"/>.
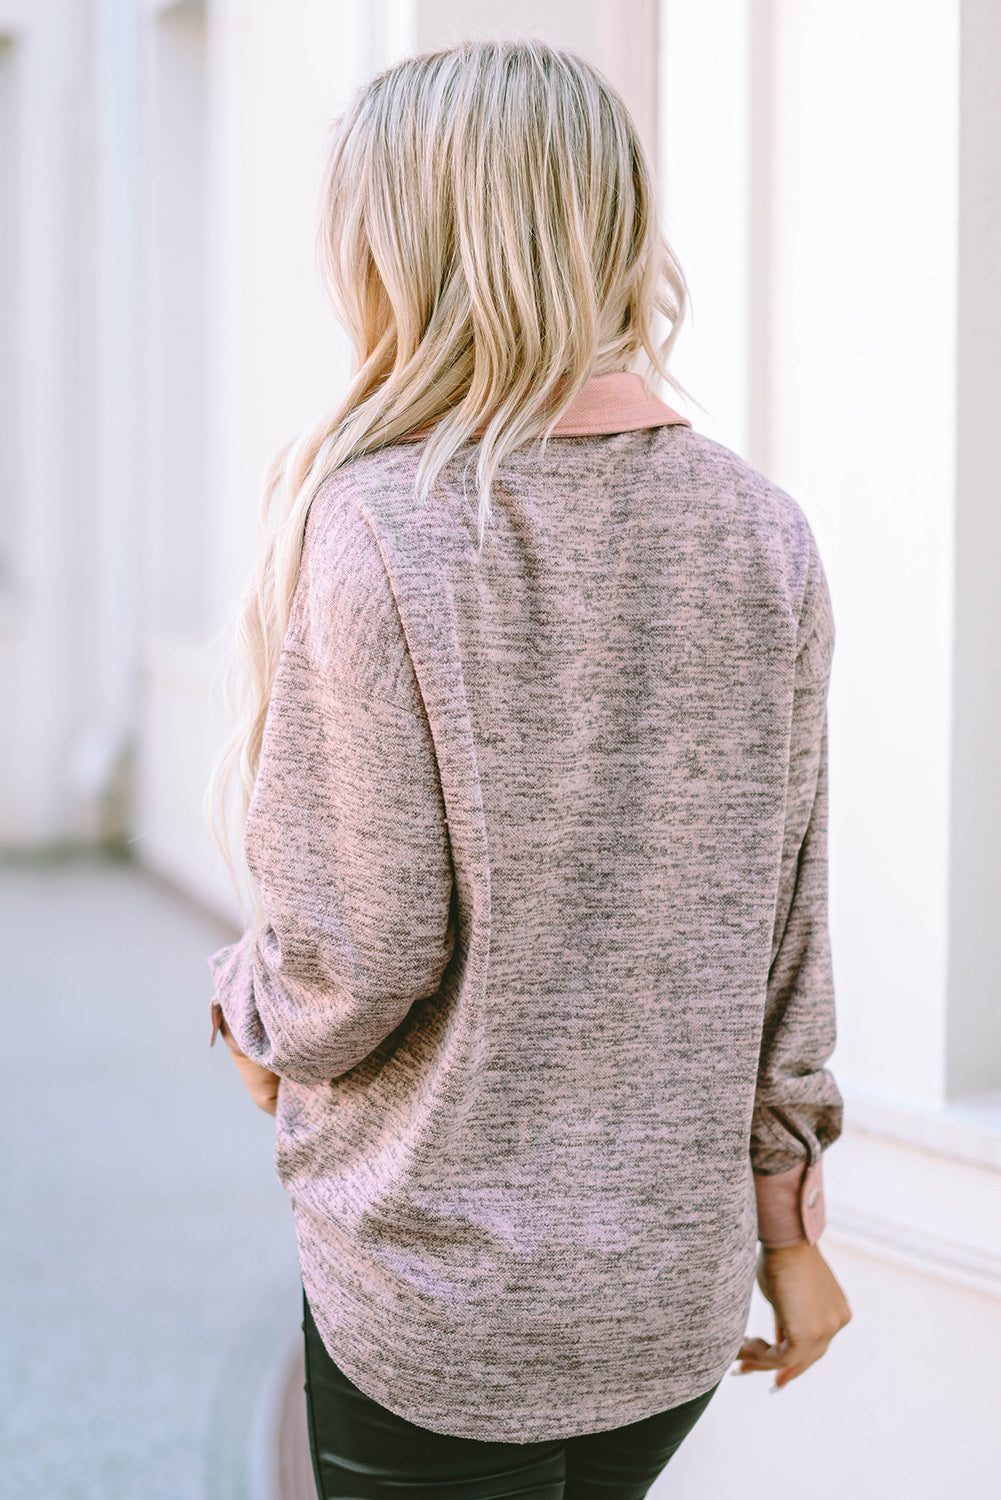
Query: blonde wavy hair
<point x="488" y="234"/>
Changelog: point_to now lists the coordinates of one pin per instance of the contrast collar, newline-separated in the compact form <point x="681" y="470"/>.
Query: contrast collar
<point x="609" y="403"/>
<point x="615" y="403"/>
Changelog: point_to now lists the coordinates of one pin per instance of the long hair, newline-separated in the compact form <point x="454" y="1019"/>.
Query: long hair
<point x="488" y="234"/>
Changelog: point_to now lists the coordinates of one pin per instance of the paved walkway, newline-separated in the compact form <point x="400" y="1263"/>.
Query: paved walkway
<point x="140" y="1215"/>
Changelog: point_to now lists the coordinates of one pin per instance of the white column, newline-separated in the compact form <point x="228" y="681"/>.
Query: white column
<point x="973" y="1052"/>
<point x="102" y="758"/>
<point x="393" y="32"/>
<point x="174" y="335"/>
<point x="705" y="176"/>
<point x="811" y="193"/>
<point x="863" y="433"/>
<point x="569" y="23"/>
<point x="276" y="73"/>
<point x="626" y="49"/>
<point x="49" y="590"/>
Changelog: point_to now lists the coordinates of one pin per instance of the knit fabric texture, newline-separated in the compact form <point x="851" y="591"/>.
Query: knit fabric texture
<point x="541" y="836"/>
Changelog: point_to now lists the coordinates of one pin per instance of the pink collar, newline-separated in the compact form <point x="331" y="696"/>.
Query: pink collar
<point x="608" y="403"/>
<point x="615" y="403"/>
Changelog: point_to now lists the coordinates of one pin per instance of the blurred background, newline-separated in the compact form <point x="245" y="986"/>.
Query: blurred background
<point x="831" y="183"/>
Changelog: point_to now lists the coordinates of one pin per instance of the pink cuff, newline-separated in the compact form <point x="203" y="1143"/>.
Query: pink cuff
<point x="791" y="1208"/>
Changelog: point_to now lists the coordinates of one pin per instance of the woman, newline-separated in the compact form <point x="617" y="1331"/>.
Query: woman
<point x="538" y="984"/>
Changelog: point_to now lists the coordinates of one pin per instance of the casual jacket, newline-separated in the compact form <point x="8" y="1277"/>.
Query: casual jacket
<point x="541" y="839"/>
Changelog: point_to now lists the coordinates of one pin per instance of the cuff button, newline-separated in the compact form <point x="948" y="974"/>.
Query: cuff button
<point x="811" y="1200"/>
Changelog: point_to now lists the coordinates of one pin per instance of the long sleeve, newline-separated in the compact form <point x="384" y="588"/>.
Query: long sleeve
<point x="798" y="1106"/>
<point x="346" y="838"/>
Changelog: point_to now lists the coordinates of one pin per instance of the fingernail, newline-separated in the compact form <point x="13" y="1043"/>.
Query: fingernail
<point x="773" y="1388"/>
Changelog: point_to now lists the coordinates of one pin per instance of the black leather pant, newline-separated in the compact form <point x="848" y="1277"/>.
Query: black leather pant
<point x="361" y="1451"/>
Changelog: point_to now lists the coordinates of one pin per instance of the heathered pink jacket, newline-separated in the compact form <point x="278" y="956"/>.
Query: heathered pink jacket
<point x="541" y="838"/>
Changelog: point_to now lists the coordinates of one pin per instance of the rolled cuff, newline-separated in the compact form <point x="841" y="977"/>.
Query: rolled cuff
<point x="791" y="1208"/>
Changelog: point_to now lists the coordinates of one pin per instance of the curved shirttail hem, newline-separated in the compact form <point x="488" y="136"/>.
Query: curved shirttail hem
<point x="600" y="1413"/>
<point x="517" y="1428"/>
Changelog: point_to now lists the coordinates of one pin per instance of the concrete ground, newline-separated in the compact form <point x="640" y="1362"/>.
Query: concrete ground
<point x="150" y="1299"/>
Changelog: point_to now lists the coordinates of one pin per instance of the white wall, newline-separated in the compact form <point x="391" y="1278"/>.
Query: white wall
<point x="48" y="605"/>
<point x="853" y="374"/>
<point x="173" y="66"/>
<point x="864" y="418"/>
<point x="9" y="60"/>
<point x="973" y="1033"/>
<point x="705" y="168"/>
<point x="274" y="356"/>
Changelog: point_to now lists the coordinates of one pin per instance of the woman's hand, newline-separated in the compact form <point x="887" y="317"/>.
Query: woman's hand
<point x="810" y="1308"/>
<point x="262" y="1084"/>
